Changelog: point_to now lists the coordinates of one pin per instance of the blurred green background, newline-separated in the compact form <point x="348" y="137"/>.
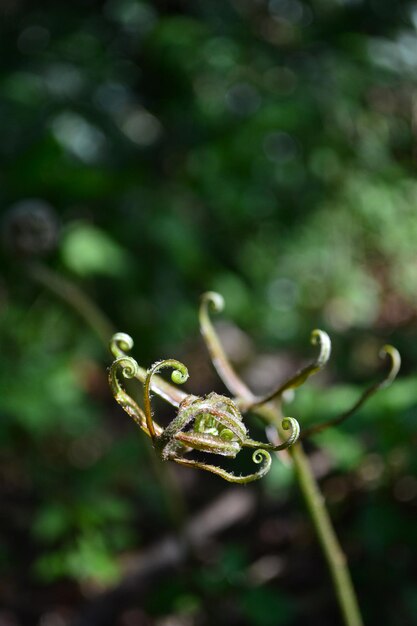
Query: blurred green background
<point x="151" y="151"/>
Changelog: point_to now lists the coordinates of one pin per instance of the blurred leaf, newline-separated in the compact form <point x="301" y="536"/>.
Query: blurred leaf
<point x="87" y="250"/>
<point x="51" y="523"/>
<point x="279" y="479"/>
<point x="87" y="559"/>
<point x="346" y="450"/>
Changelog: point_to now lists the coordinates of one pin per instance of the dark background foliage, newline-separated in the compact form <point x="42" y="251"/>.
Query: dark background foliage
<point x="151" y="151"/>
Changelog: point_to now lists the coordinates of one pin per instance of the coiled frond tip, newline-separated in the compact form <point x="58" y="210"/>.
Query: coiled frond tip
<point x="120" y="343"/>
<point x="321" y="338"/>
<point x="214" y="300"/>
<point x="395" y="359"/>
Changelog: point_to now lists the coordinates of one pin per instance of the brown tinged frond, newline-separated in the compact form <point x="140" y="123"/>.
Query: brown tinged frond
<point x="212" y="424"/>
<point x="215" y="302"/>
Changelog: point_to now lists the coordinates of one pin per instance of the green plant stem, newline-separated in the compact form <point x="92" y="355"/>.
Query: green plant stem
<point x="335" y="557"/>
<point x="76" y="298"/>
<point x="316" y="507"/>
<point x="81" y="302"/>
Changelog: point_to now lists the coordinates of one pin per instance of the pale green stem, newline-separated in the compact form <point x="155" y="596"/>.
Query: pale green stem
<point x="78" y="300"/>
<point x="320" y="518"/>
<point x="335" y="557"/>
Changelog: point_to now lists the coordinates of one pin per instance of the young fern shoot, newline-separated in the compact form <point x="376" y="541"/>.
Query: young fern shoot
<point x="212" y="424"/>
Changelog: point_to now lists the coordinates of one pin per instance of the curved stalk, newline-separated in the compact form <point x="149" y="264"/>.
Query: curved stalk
<point x="215" y="302"/>
<point x="75" y="297"/>
<point x="394" y="367"/>
<point x="318" y="337"/>
<point x="179" y="376"/>
<point x="78" y="300"/>
<point x="316" y="506"/>
<point x="288" y="423"/>
<point x="257" y="457"/>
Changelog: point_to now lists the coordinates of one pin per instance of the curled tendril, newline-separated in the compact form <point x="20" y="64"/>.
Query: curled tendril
<point x="395" y="364"/>
<point x="394" y="367"/>
<point x="128" y="367"/>
<point x="178" y="376"/>
<point x="323" y="340"/>
<point x="213" y="300"/>
<point x="257" y="457"/>
<point x="121" y="343"/>
<point x="288" y="423"/>
<point x="318" y="337"/>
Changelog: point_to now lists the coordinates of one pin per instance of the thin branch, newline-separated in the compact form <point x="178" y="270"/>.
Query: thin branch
<point x="327" y="537"/>
<point x="75" y="297"/>
<point x="260" y="456"/>
<point x="317" y="337"/>
<point x="80" y="301"/>
<point x="319" y="515"/>
<point x="215" y="302"/>
<point x="394" y="367"/>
